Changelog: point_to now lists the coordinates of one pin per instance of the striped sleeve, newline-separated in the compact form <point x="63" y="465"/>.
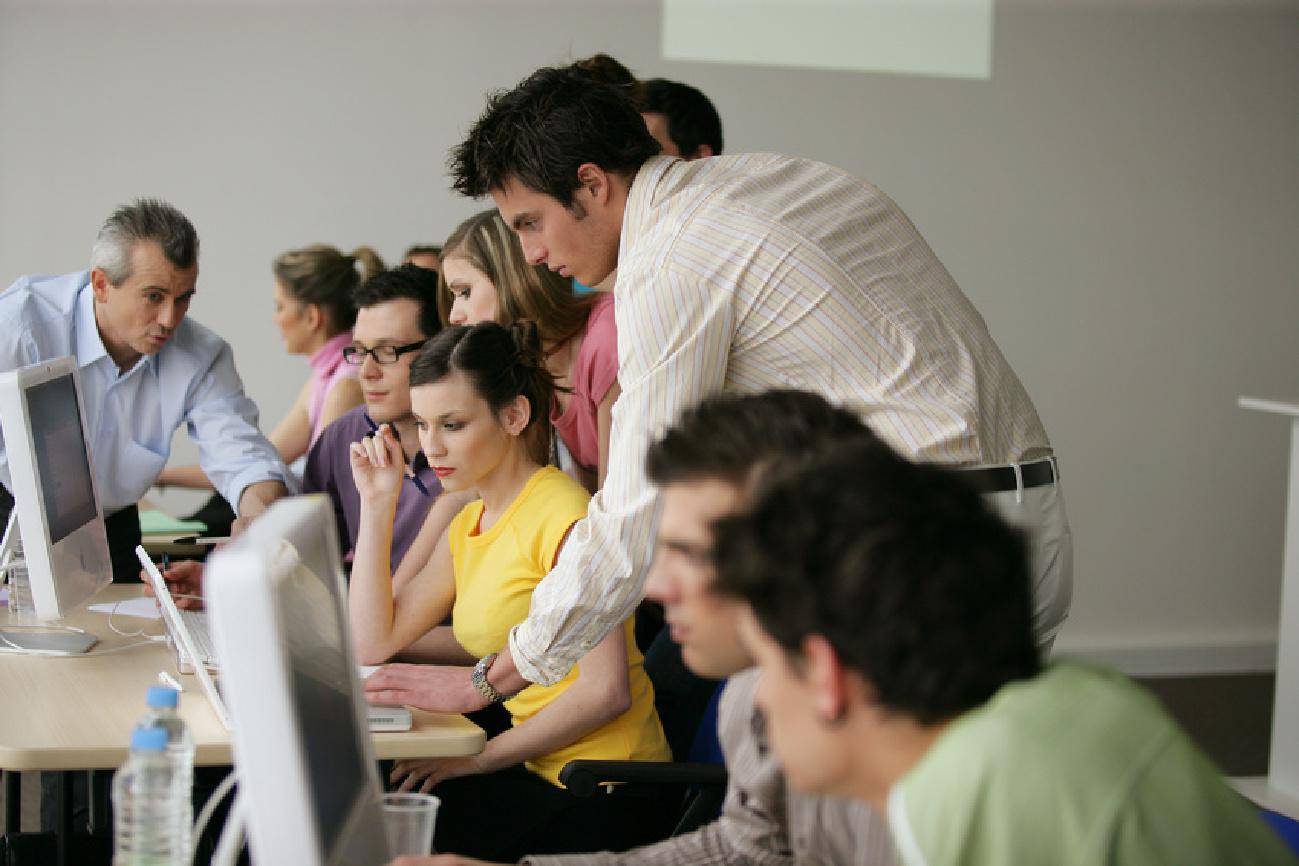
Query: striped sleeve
<point x="667" y="361"/>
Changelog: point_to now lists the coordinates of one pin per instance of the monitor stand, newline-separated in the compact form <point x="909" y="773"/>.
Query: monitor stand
<point x="36" y="638"/>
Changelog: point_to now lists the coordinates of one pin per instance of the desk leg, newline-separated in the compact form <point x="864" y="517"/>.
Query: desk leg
<point x="13" y="800"/>
<point x="64" y="829"/>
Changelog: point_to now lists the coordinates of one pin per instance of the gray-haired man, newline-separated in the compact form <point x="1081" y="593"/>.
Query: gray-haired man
<point x="145" y="369"/>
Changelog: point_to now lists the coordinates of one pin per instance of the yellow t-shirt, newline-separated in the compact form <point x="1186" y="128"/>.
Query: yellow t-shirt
<point x="496" y="572"/>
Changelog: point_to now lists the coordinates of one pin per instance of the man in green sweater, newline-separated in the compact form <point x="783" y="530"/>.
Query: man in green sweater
<point x="890" y="615"/>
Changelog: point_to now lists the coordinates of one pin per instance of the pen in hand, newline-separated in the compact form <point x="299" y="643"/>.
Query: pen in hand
<point x="410" y="473"/>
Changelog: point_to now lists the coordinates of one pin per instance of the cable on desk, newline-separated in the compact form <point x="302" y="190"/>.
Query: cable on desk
<point x="209" y="808"/>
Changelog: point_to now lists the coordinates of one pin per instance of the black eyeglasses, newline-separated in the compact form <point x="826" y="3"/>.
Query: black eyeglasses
<point x="355" y="355"/>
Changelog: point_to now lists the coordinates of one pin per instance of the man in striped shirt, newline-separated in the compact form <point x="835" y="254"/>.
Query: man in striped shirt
<point x="737" y="273"/>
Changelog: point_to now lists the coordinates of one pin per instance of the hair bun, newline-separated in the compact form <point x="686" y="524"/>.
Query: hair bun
<point x="527" y="342"/>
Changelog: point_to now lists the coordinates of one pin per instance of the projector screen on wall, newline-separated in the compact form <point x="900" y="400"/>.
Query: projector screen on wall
<point x="951" y="38"/>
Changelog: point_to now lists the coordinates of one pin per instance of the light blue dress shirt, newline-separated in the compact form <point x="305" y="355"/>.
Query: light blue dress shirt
<point x="131" y="416"/>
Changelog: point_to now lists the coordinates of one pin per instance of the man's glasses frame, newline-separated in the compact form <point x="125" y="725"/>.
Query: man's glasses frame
<point x="355" y="355"/>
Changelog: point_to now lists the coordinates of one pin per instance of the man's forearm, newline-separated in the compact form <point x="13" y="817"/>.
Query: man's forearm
<point x="258" y="496"/>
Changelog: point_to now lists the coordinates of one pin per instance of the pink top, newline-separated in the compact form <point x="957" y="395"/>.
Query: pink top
<point x="595" y="370"/>
<point x="327" y="369"/>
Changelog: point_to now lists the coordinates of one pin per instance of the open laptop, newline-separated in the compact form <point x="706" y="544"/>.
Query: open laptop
<point x="191" y="636"/>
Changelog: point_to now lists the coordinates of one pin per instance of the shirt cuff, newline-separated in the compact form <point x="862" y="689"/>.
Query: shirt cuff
<point x="532" y="665"/>
<point x="249" y="477"/>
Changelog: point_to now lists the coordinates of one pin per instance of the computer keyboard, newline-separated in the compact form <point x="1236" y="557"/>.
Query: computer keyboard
<point x="196" y="623"/>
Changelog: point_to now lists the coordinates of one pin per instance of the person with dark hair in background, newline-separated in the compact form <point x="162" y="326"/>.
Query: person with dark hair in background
<point x="145" y="370"/>
<point x="609" y="70"/>
<point x="396" y="314"/>
<point x="481" y="396"/>
<point x="740" y="273"/>
<point x="681" y="119"/>
<point x="314" y="312"/>
<point x="427" y="256"/>
<point x="892" y="621"/>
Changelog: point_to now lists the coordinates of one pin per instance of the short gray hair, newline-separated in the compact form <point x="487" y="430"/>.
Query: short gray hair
<point x="145" y="219"/>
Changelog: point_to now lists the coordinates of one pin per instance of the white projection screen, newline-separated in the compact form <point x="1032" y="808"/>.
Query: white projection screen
<point x="950" y="38"/>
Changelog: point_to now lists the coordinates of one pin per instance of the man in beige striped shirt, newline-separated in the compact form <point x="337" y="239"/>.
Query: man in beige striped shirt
<point x="737" y="273"/>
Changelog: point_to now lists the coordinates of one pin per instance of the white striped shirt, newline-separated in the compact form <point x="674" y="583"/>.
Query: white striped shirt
<point x="745" y="273"/>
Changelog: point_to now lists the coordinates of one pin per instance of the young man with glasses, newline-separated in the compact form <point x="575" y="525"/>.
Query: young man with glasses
<point x="396" y="314"/>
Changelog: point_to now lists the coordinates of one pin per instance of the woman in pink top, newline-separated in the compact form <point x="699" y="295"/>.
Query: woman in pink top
<point x="485" y="277"/>
<point x="314" y="312"/>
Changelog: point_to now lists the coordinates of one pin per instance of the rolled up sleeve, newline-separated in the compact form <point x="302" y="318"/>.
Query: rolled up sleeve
<point x="222" y="422"/>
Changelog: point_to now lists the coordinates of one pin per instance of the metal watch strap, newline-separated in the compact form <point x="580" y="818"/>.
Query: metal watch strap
<point x="479" y="679"/>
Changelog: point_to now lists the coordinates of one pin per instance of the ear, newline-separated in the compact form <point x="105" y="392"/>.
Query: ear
<point x="704" y="150"/>
<point x="594" y="181"/>
<point x="827" y="677"/>
<point x="99" y="284"/>
<point x="315" y="318"/>
<point x="514" y="416"/>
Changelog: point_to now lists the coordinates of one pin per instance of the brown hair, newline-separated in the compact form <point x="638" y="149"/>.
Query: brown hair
<point x="523" y="291"/>
<point x="324" y="276"/>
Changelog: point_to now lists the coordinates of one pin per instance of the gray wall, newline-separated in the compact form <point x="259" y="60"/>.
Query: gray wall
<point x="1121" y="201"/>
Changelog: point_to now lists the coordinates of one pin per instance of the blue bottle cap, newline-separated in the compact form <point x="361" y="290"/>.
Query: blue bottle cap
<point x="149" y="739"/>
<point x="162" y="696"/>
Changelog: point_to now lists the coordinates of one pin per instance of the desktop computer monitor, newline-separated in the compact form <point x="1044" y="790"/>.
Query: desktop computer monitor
<point x="288" y="673"/>
<point x="52" y="480"/>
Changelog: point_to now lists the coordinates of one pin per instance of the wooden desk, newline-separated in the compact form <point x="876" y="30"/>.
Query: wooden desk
<point x="77" y="713"/>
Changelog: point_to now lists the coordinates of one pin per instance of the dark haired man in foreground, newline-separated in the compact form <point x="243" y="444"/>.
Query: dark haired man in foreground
<point x="891" y="620"/>
<point x="704" y="467"/>
<point x="738" y="274"/>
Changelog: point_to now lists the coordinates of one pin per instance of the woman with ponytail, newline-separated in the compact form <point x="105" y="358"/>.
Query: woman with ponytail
<point x="485" y="277"/>
<point x="479" y="396"/>
<point x="314" y="312"/>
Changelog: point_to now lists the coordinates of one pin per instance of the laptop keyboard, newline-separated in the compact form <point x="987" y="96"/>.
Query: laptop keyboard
<point x="196" y="622"/>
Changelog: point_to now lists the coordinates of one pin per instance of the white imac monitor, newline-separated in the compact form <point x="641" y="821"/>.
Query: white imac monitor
<point x="52" y="480"/>
<point x="302" y="749"/>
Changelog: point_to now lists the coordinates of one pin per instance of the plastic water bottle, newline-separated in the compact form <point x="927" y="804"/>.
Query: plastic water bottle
<point x="146" y="812"/>
<point x="163" y="702"/>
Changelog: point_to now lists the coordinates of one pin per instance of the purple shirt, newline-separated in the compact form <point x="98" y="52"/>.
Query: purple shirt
<point x="329" y="470"/>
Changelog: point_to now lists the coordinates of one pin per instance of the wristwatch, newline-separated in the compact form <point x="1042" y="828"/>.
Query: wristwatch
<point x="479" y="679"/>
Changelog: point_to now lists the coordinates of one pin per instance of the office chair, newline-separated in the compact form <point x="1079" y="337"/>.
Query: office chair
<point x="683" y="702"/>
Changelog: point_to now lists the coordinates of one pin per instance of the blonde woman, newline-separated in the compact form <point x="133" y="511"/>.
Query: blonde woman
<point x="486" y="278"/>
<point x="314" y="312"/>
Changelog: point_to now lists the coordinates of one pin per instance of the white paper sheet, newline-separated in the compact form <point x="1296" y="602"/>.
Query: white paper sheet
<point x="143" y="607"/>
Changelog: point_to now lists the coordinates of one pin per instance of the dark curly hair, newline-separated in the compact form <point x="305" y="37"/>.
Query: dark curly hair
<point x="406" y="281"/>
<point x="916" y="583"/>
<point x="728" y="437"/>
<point x="539" y="133"/>
<point x="502" y="364"/>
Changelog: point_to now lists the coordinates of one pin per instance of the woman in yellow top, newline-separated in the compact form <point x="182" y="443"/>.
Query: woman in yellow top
<point x="481" y="396"/>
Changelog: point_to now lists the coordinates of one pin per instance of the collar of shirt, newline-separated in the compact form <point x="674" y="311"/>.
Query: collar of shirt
<point x="329" y="357"/>
<point x="90" y="346"/>
<point x="640" y="202"/>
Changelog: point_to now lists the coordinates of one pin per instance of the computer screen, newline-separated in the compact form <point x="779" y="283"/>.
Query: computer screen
<point x="302" y="748"/>
<point x="51" y="477"/>
<point x="62" y="467"/>
<point x="322" y="692"/>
